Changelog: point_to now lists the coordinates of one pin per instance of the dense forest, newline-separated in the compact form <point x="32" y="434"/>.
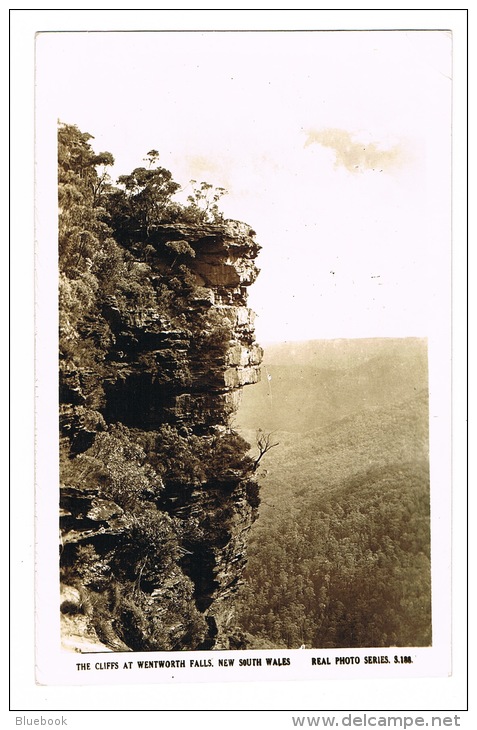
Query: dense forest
<point x="340" y="556"/>
<point x="155" y="339"/>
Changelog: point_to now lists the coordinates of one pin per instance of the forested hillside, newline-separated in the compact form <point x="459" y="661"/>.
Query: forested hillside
<point x="340" y="556"/>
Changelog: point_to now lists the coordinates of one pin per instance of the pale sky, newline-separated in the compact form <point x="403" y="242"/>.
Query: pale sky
<point x="334" y="147"/>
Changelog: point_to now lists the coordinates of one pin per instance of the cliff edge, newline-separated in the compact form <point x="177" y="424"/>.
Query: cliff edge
<point x="157" y="490"/>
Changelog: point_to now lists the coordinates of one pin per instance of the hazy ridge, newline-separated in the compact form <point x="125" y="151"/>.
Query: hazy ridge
<point x="308" y="385"/>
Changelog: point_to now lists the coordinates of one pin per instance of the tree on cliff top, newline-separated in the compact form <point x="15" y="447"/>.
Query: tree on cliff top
<point x="146" y="196"/>
<point x="203" y="203"/>
<point x="81" y="199"/>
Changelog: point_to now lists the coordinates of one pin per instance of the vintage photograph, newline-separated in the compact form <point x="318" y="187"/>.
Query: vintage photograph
<point x="252" y="249"/>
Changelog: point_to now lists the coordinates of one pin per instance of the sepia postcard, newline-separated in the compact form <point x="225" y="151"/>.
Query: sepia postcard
<point x="243" y="354"/>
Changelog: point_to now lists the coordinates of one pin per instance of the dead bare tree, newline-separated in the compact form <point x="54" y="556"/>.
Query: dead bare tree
<point x="264" y="444"/>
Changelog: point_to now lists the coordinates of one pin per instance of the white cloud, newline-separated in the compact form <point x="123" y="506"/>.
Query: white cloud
<point x="237" y="109"/>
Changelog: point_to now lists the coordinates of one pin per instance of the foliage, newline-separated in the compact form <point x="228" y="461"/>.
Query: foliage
<point x="183" y="458"/>
<point x="119" y="465"/>
<point x="119" y="586"/>
<point x="90" y="262"/>
<point x="228" y="456"/>
<point x="203" y="203"/>
<point x="148" y="549"/>
<point x="180" y="248"/>
<point x="144" y="198"/>
<point x="340" y="556"/>
<point x="116" y="280"/>
<point x="176" y="454"/>
<point x="124" y="616"/>
<point x="81" y="195"/>
<point x="349" y="569"/>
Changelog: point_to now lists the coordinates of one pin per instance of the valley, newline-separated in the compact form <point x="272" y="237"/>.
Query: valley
<point x="340" y="554"/>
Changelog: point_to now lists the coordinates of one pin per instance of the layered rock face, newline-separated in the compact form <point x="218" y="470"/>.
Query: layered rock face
<point x="178" y="365"/>
<point x="182" y="374"/>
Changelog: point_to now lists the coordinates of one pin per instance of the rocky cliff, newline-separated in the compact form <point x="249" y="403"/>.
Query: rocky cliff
<point x="190" y="373"/>
<point x="158" y="493"/>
